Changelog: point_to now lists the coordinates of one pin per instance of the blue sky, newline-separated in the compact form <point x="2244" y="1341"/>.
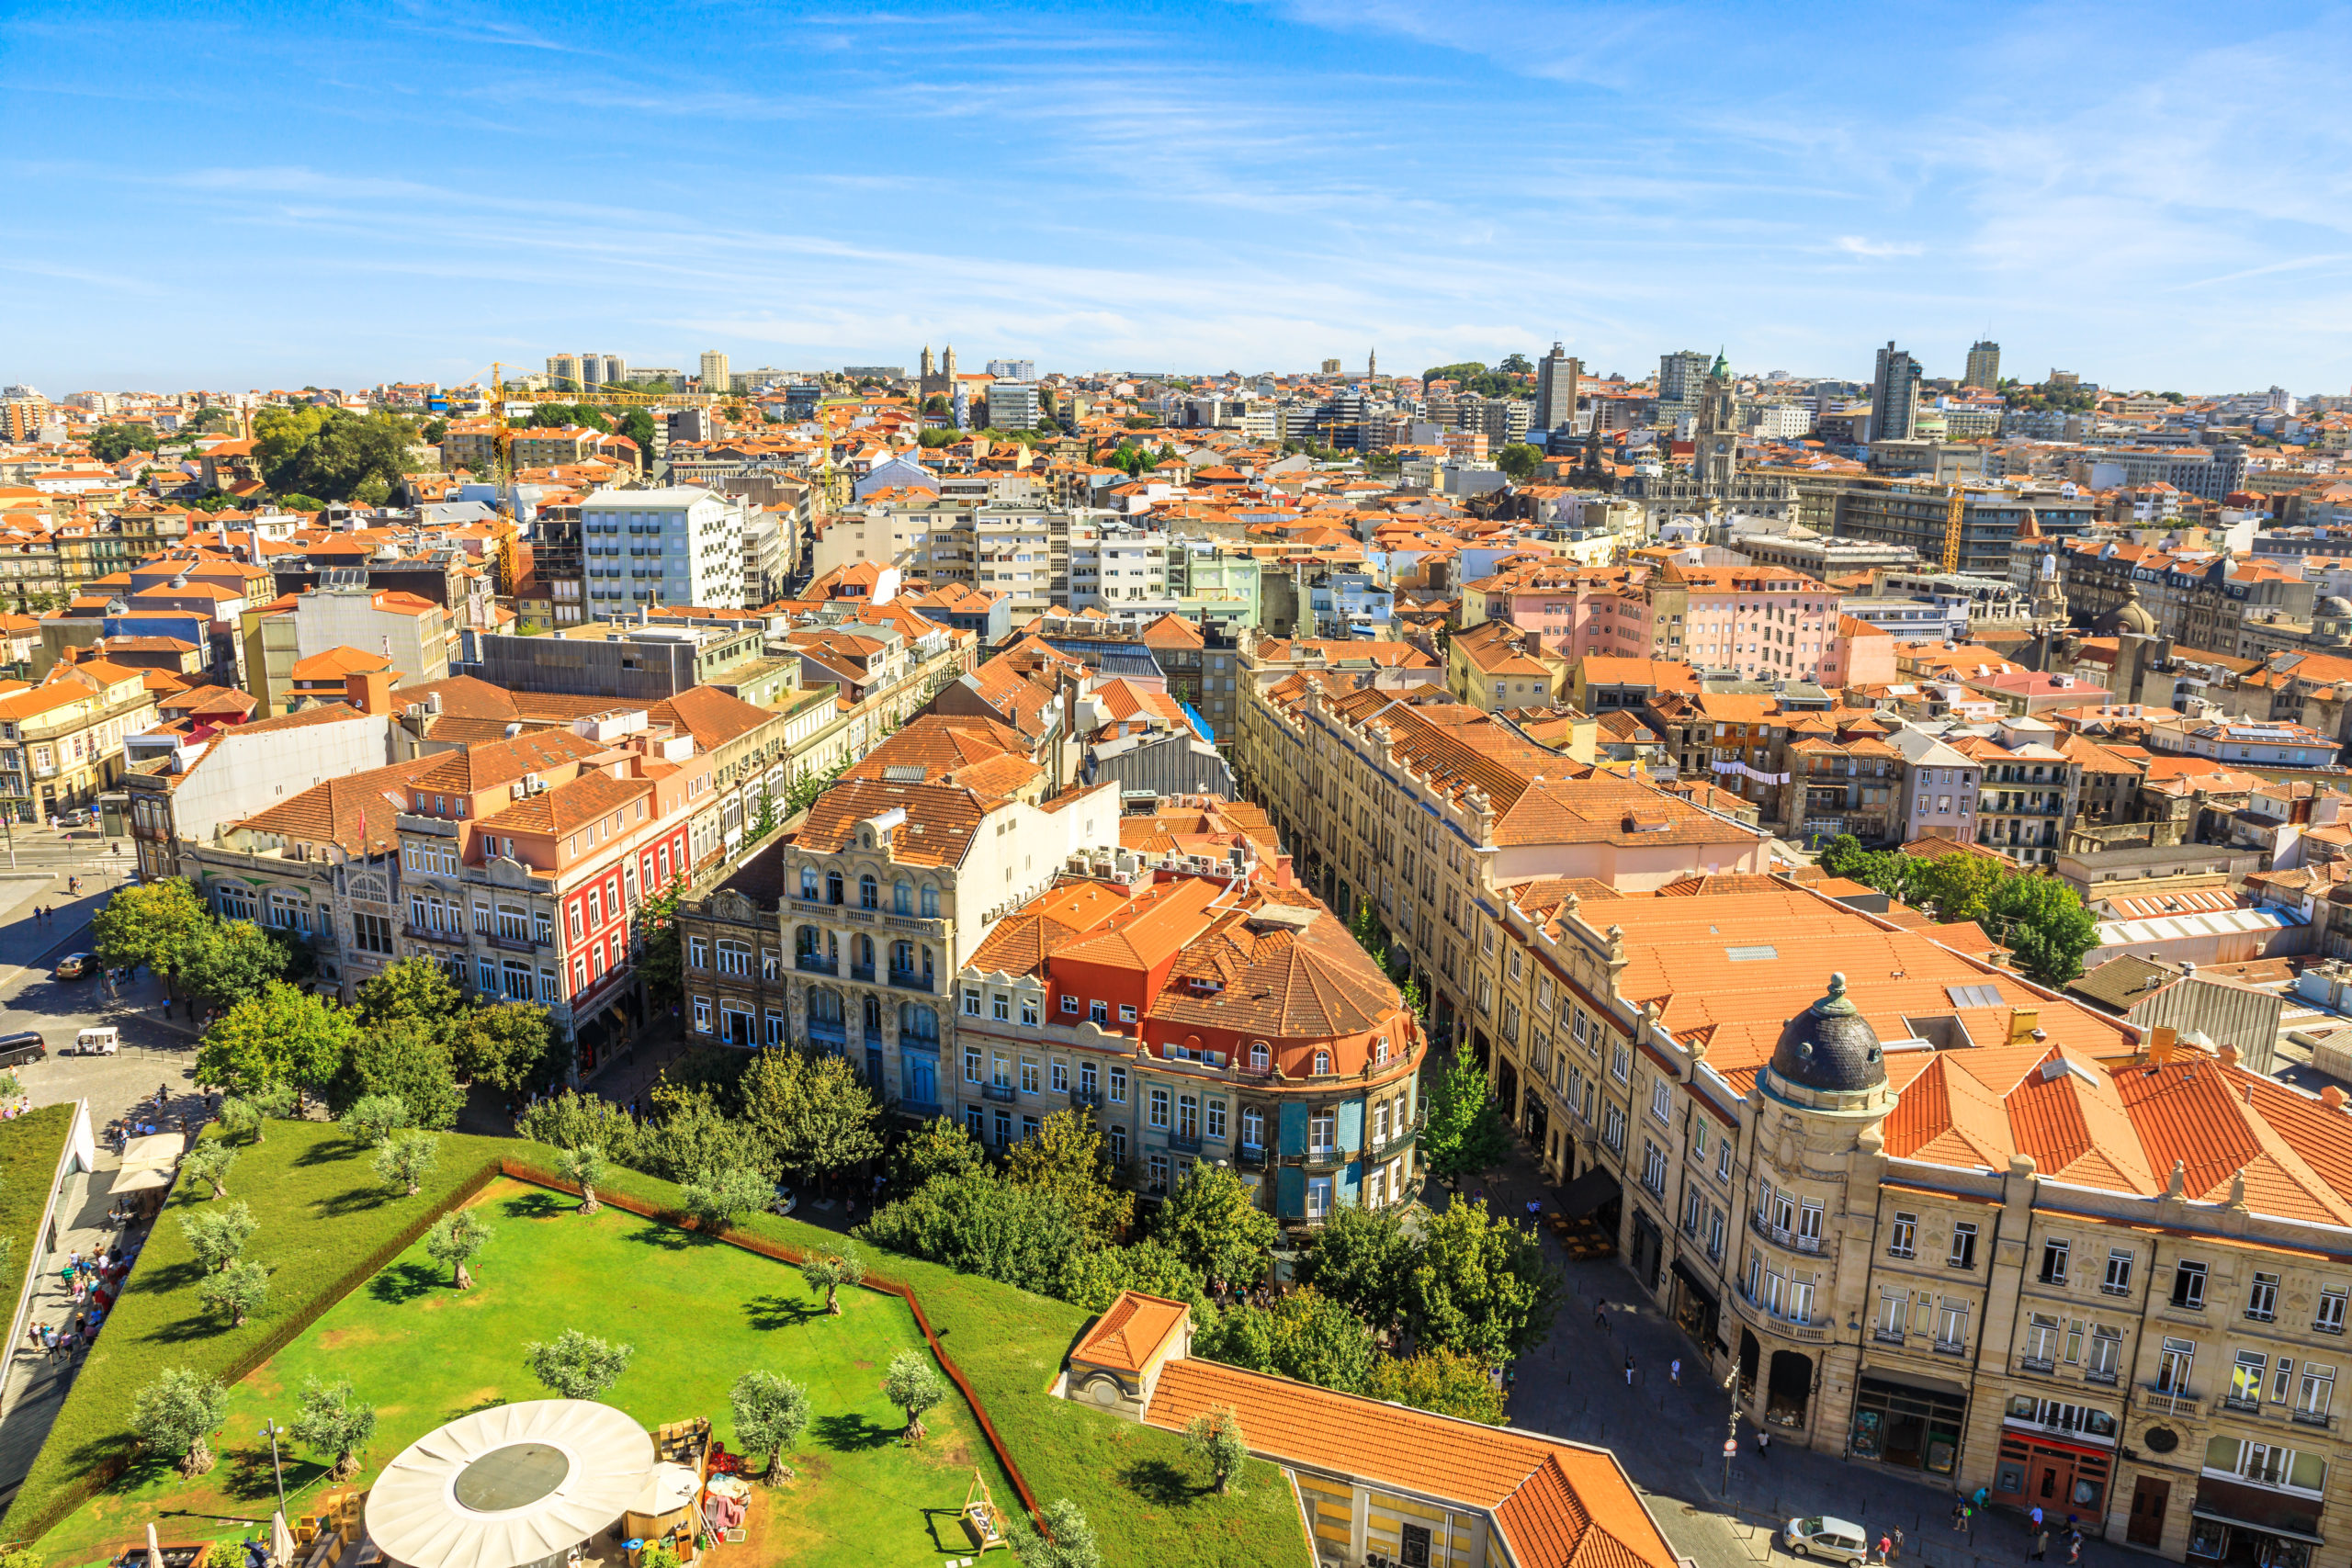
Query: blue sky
<point x="235" y="196"/>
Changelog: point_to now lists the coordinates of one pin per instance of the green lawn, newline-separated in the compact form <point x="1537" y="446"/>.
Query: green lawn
<point x="30" y="1147"/>
<point x="699" y="1312"/>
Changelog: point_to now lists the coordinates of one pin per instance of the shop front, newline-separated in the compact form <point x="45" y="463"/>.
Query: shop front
<point x="1696" y="1311"/>
<point x="2056" y="1457"/>
<point x="1910" y="1422"/>
<point x="2245" y="1526"/>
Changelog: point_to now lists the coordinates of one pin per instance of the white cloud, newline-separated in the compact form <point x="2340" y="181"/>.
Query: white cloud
<point x="1878" y="250"/>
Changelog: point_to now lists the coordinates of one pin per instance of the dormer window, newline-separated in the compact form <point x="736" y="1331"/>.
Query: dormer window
<point x="1322" y="1064"/>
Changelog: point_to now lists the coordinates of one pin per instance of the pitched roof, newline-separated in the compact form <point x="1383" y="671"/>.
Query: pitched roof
<point x="1136" y="1328"/>
<point x="354" y="813"/>
<point x="712" y="716"/>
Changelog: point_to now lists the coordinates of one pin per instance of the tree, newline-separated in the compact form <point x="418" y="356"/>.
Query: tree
<point x="575" y="1120"/>
<point x="1304" y="1335"/>
<point x="1519" y="461"/>
<point x="374" y="1118"/>
<point x="111" y="443"/>
<point x="811" y="1111"/>
<point x="1482" y="1286"/>
<point x="280" y="1037"/>
<point x="1215" y="1438"/>
<point x="661" y="957"/>
<point x="1366" y="929"/>
<point x="330" y="1420"/>
<point x="582" y="1167"/>
<point x="240" y="1289"/>
<point x="1213" y="1223"/>
<point x="697" y="1135"/>
<point x="1093" y="1278"/>
<point x="576" y="1365"/>
<point x="1438" y="1380"/>
<point x="1840" y="854"/>
<point x="829" y="1271"/>
<point x="2042" y="920"/>
<point x="720" y="1198"/>
<point x="151" y="923"/>
<point x="210" y="1162"/>
<point x="1068" y="1542"/>
<point x="771" y="1412"/>
<point x="1362" y="1257"/>
<point x="173" y="1416"/>
<point x="914" y="1386"/>
<point x="405" y="1160"/>
<point x="455" y="1239"/>
<point x="1066" y="1157"/>
<point x="413" y="988"/>
<point x="217" y="1234"/>
<point x="1961" y="886"/>
<point x="229" y="961"/>
<point x="404" y="1057"/>
<point x="1466" y="1130"/>
<point x="507" y="1045"/>
<point x="240" y="1119"/>
<point x="980" y="1224"/>
<point x="637" y="426"/>
<point x="434" y="432"/>
<point x="1516" y="365"/>
<point x="941" y="1147"/>
<point x="338" y="455"/>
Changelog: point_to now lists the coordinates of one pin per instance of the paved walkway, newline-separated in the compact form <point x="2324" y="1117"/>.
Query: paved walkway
<point x="1670" y="1436"/>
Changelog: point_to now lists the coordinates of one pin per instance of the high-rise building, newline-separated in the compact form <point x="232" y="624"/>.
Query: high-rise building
<point x="1013" y="405"/>
<point x="1013" y="370"/>
<point x="1557" y="374"/>
<point x="1330" y="367"/>
<point x="1895" y="394"/>
<point x="592" y="370"/>
<point x="692" y="550"/>
<point x="1681" y="383"/>
<point x="563" y="368"/>
<point x="1983" y="364"/>
<point x="715" y="377"/>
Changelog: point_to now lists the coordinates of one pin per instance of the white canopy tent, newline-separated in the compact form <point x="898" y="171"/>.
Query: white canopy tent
<point x="509" y="1487"/>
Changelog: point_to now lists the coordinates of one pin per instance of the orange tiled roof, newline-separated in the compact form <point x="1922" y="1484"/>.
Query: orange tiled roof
<point x="1136" y="1328"/>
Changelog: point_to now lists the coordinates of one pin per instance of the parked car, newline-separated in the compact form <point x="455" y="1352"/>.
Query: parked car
<point x="1832" y="1540"/>
<point x="78" y="817"/>
<point x="75" y="966"/>
<point x="102" y="1041"/>
<point x="16" y="1050"/>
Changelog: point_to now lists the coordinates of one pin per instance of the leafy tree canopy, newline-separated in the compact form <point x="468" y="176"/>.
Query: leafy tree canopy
<point x="508" y="1045"/>
<point x="941" y="1147"/>
<point x="1304" y="1335"/>
<point x="1482" y="1287"/>
<point x="1362" y="1257"/>
<point x="404" y="1057"/>
<point x="980" y="1223"/>
<point x="811" y="1109"/>
<point x="1066" y="1157"/>
<point x="1214" y="1224"/>
<point x="332" y="452"/>
<point x="230" y="959"/>
<point x="1519" y="461"/>
<point x="1442" y="1381"/>
<point x="281" y="1037"/>
<point x="153" y="924"/>
<point x="111" y="443"/>
<point x="1465" y="1132"/>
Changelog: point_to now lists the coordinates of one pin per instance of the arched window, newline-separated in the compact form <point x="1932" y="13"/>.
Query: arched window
<point x="861" y="954"/>
<point x="873" y="1021"/>
<point x="902" y="898"/>
<point x="1380" y="1051"/>
<point x="930" y="902"/>
<point x="1259" y="1056"/>
<point x="1322" y="1064"/>
<point x="807" y="947"/>
<point x="868" y="895"/>
<point x="809" y="883"/>
<point x="832" y="887"/>
<point x="918" y="1025"/>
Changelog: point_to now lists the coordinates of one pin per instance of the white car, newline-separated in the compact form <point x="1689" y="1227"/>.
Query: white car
<point x="1833" y="1540"/>
<point x="101" y="1042"/>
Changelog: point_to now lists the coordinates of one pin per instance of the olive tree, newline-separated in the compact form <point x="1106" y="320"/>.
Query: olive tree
<point x="1215" y="1438"/>
<point x="217" y="1233"/>
<point x="771" y="1412"/>
<point x="582" y="1167"/>
<point x="454" y="1240"/>
<point x="240" y="1290"/>
<point x="914" y="1385"/>
<point x="406" y="1160"/>
<point x="330" y="1421"/>
<point x="374" y="1118"/>
<point x="829" y="1271"/>
<point x="210" y="1162"/>
<point x="575" y="1365"/>
<point x="173" y="1416"/>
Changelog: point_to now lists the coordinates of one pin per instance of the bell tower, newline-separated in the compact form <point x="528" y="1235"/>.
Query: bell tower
<point x="1714" y="443"/>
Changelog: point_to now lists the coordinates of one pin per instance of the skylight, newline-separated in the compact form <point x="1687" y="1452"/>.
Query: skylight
<point x="1750" y="955"/>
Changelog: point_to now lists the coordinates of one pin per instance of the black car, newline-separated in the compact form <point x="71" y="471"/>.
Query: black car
<point x="16" y="1050"/>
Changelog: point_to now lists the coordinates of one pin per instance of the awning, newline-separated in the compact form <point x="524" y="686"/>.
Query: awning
<point x="1911" y="1380"/>
<point x="1697" y="1287"/>
<point x="1586" y="1192"/>
<point x="2258" y="1509"/>
<point x="515" y="1484"/>
<point x="2203" y="1513"/>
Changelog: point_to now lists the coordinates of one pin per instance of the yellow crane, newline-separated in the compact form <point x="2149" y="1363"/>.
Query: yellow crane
<point x="1955" y="508"/>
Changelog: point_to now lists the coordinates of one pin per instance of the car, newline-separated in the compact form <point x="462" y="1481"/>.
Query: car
<point x="783" y="1202"/>
<point x="78" y="817"/>
<point x="26" y="1046"/>
<point x="75" y="966"/>
<point x="102" y="1041"/>
<point x="1831" y="1540"/>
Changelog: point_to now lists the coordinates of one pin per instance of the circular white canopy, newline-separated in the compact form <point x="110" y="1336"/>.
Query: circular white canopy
<point x="503" y="1487"/>
<point x="668" y="1489"/>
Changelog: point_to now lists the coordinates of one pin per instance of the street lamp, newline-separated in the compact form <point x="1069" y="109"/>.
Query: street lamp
<point x="1731" y="1432"/>
<point x="270" y="1430"/>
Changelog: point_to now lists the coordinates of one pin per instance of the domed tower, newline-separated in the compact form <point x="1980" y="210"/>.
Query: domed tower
<point x="1815" y="1168"/>
<point x="2129" y="618"/>
<point x="2332" y="621"/>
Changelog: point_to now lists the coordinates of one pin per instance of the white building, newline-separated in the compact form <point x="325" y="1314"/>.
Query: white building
<point x="1013" y="405"/>
<point x="679" y="545"/>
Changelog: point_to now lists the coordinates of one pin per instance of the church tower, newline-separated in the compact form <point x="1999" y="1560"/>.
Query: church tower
<point x="926" y="362"/>
<point x="1716" y="444"/>
<point x="948" y="365"/>
<point x="1372" y="366"/>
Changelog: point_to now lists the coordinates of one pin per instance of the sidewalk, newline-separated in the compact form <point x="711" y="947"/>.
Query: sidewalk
<point x="36" y="1382"/>
<point x="1670" y="1436"/>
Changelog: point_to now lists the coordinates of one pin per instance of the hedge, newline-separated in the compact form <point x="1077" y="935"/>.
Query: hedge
<point x="31" y="1146"/>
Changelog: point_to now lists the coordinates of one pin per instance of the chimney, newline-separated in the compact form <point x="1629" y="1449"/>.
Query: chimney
<point x="370" y="691"/>
<point x="2332" y="1097"/>
<point x="2023" y="1022"/>
<point x="2160" y="1045"/>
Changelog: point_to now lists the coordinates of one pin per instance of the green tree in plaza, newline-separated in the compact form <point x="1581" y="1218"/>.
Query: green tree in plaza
<point x="280" y="1035"/>
<point x="229" y="961"/>
<point x="240" y="1289"/>
<point x="330" y="1420"/>
<point x="661" y="953"/>
<point x="1961" y="886"/>
<point x="720" y="1198"/>
<point x="173" y="1417"/>
<point x="980" y="1224"/>
<point x="404" y="1057"/>
<point x="575" y="1121"/>
<point x="582" y="1167"/>
<point x="456" y="1239"/>
<point x="413" y="988"/>
<point x="1482" y="1287"/>
<point x="208" y="1162"/>
<point x="771" y="1412"/>
<point x="1442" y="1380"/>
<point x="1465" y="1132"/>
<point x="1362" y="1257"/>
<point x="1211" y="1220"/>
<point x="153" y="924"/>
<point x="695" y="1135"/>
<point x="1066" y="1157"/>
<point x="508" y="1045"/>
<point x="332" y="453"/>
<point x="941" y="1147"/>
<point x="406" y="1159"/>
<point x="577" y="1366"/>
<point x="1519" y="461"/>
<point x="1092" y="1278"/>
<point x="374" y="1118"/>
<point x="1069" y="1540"/>
<point x="811" y="1110"/>
<point x="1304" y="1335"/>
<point x="1216" y="1439"/>
<point x="914" y="1385"/>
<point x="2042" y="921"/>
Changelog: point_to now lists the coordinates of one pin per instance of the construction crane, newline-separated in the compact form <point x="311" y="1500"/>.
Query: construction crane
<point x="1955" y="508"/>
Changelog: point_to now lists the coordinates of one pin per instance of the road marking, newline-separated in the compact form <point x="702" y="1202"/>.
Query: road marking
<point x="41" y="961"/>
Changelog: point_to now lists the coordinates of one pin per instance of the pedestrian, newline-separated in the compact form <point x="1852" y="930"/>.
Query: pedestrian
<point x="1959" y="1514"/>
<point x="2075" y="1546"/>
<point x="1897" y="1556"/>
<point x="2041" y="1544"/>
<point x="1885" y="1547"/>
<point x="1600" y="1314"/>
<point x="1629" y="1371"/>
<point x="2035" y="1516"/>
<point x="1763" y="1443"/>
<point x="1674" y="1371"/>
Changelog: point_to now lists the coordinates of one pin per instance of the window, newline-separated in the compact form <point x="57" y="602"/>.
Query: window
<point x="1259" y="1056"/>
<point x="1722" y="1159"/>
<point x="1029" y="1010"/>
<point x="1892" y="1309"/>
<point x="2054" y="1262"/>
<point x="1322" y="1064"/>
<point x="1621" y="1064"/>
<point x="971" y="1002"/>
<point x="2262" y="1298"/>
<point x="2041" y="1342"/>
<point x="1963" y="1246"/>
<point x="702" y="1015"/>
<point x="1661" y="1101"/>
<point x="1118" y="1145"/>
<point x="1086" y="1079"/>
<point x="1715" y="1235"/>
<point x="2119" y="1273"/>
<point x="1157" y="1165"/>
<point x="2316" y="1393"/>
<point x="1951" y="1326"/>
<point x="1253" y="1128"/>
<point x="868" y="894"/>
<point x="2188" y="1286"/>
<point x="1653" y="1167"/>
<point x="1809" y="1227"/>
<point x="1126" y="1012"/>
<point x="1322" y="1132"/>
<point x="2330" y="1318"/>
<point x="999" y="1006"/>
<point x="1069" y="1004"/>
<point x="1097" y="1012"/>
<point x="1318" y="1197"/>
<point x="1159" y="1117"/>
<point x="2174" y="1365"/>
<point x="1217" y="1119"/>
<point x="1612" y="1129"/>
<point x="2266" y="1464"/>
<point x="902" y="898"/>
<point x="1903" y="1237"/>
<point x="2106" y="1350"/>
<point x="809" y="883"/>
<point x="1118" y="1086"/>
<point x="930" y="902"/>
<point x="1801" y="1301"/>
<point x="971" y="1064"/>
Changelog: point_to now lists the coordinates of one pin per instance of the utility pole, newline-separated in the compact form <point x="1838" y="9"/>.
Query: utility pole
<point x="1731" y="1432"/>
<point x="270" y="1429"/>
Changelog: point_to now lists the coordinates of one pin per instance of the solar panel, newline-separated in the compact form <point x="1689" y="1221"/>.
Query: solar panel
<point x="1973" y="995"/>
<point x="902" y="772"/>
<point x="1750" y="955"/>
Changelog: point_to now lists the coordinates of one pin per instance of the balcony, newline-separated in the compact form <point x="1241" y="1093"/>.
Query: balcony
<point x="1250" y="1157"/>
<point x="506" y="943"/>
<point x="809" y="963"/>
<point x="2241" y="1403"/>
<point x="2037" y="1364"/>
<point x="427" y="933"/>
<point x="1887" y="1335"/>
<point x="2170" y="1402"/>
<point x="1324" y="1160"/>
<point x="2104" y="1377"/>
<point x="2319" y="1419"/>
<point x="1950" y="1348"/>
<point x="1001" y="1093"/>
<point x="862" y="972"/>
<point x="908" y="979"/>
<point x="1185" y="1143"/>
<point x="1086" y="1097"/>
<point x="833" y="1035"/>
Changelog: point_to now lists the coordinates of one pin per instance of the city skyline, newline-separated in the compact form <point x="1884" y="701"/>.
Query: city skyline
<point x="359" y="197"/>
